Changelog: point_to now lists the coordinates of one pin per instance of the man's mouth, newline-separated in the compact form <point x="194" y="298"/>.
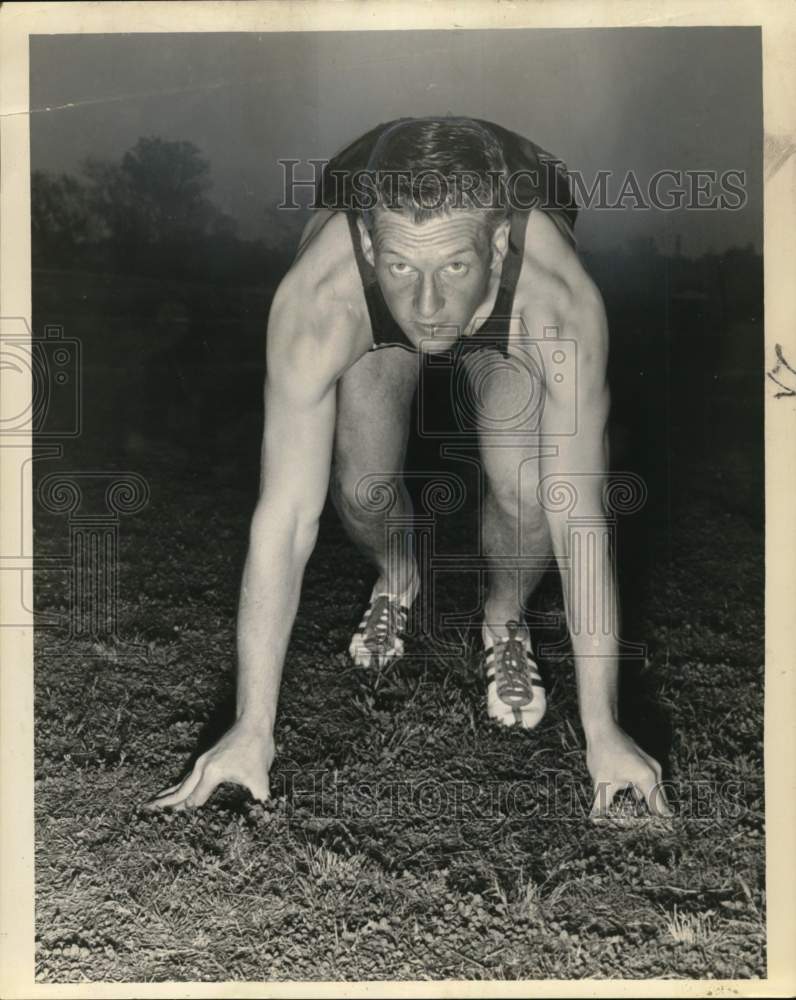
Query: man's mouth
<point x="438" y="329"/>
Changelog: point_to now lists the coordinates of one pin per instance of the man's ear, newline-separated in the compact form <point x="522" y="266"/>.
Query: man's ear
<point x="500" y="243"/>
<point x="367" y="243"/>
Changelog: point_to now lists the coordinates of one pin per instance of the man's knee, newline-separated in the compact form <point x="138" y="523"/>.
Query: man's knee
<point x="504" y="394"/>
<point x="513" y="487"/>
<point x="364" y="496"/>
<point x="512" y="497"/>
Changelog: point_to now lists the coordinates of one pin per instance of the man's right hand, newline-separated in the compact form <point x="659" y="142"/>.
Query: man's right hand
<point x="243" y="756"/>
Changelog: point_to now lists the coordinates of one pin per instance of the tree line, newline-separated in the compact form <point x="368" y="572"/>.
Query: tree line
<point x="147" y="213"/>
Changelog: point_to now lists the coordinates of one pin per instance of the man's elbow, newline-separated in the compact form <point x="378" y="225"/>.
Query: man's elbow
<point x="305" y="535"/>
<point x="559" y="536"/>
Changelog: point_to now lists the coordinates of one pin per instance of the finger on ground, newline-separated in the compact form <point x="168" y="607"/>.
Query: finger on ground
<point x="604" y="794"/>
<point x="655" y="797"/>
<point x="174" y="796"/>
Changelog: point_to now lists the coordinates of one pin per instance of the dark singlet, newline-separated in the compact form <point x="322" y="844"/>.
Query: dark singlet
<point x="493" y="333"/>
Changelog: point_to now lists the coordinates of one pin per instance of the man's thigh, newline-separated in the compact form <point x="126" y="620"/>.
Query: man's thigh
<point x="506" y="396"/>
<point x="374" y="411"/>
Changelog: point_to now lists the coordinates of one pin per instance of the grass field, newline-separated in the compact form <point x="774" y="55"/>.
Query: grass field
<point x="406" y="837"/>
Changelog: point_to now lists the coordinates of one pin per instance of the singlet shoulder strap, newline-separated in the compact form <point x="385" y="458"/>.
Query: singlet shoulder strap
<point x="512" y="266"/>
<point x="494" y="331"/>
<point x="384" y="329"/>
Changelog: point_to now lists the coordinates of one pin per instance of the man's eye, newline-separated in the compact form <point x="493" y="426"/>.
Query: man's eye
<point x="400" y="269"/>
<point x="457" y="267"/>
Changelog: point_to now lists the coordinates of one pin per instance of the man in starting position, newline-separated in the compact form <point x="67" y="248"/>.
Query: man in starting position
<point x="429" y="242"/>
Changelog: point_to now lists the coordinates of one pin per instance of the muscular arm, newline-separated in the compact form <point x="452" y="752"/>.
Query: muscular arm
<point x="585" y="560"/>
<point x="302" y="371"/>
<point x="581" y="464"/>
<point x="295" y="462"/>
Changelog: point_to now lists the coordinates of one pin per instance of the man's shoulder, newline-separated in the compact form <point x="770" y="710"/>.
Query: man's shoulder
<point x="317" y="315"/>
<point x="554" y="287"/>
<point x="323" y="274"/>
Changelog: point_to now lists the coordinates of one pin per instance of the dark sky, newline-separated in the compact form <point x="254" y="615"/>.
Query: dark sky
<point x="601" y="99"/>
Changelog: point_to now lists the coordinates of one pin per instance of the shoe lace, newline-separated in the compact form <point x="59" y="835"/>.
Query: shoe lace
<point x="512" y="670"/>
<point x="386" y="620"/>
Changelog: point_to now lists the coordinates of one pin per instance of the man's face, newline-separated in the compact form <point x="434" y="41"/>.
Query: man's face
<point x="434" y="274"/>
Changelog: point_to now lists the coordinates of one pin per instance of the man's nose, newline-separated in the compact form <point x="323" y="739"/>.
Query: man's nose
<point x="429" y="301"/>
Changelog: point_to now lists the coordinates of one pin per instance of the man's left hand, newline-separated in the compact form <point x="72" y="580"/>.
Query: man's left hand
<point x="615" y="762"/>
